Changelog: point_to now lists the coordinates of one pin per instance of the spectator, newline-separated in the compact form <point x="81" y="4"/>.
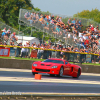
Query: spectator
<point x="27" y="49"/>
<point x="23" y="52"/>
<point x="13" y="37"/>
<point x="27" y="15"/>
<point x="40" y="51"/>
<point x="18" y="51"/>
<point x="3" y="33"/>
<point x="8" y="32"/>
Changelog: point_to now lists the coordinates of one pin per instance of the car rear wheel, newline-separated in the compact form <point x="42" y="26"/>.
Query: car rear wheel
<point x="78" y="74"/>
<point x="61" y="72"/>
<point x="34" y="73"/>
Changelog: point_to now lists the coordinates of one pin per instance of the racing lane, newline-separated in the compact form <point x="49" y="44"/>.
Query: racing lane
<point x="23" y="81"/>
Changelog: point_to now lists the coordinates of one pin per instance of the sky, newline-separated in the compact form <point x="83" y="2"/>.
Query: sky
<point x="66" y="7"/>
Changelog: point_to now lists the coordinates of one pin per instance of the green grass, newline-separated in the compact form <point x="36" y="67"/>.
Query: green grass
<point x="34" y="59"/>
<point x="22" y="58"/>
<point x="88" y="64"/>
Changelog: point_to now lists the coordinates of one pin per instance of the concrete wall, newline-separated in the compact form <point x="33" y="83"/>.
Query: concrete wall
<point x="13" y="63"/>
<point x="27" y="64"/>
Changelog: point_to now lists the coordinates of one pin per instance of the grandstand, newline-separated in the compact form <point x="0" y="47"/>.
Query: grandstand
<point x="57" y="29"/>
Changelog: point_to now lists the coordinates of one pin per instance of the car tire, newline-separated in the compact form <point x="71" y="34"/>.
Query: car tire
<point x="52" y="75"/>
<point x="34" y="73"/>
<point x="61" y="72"/>
<point x="78" y="74"/>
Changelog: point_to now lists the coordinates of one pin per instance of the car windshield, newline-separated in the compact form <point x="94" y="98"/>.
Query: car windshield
<point x="54" y="61"/>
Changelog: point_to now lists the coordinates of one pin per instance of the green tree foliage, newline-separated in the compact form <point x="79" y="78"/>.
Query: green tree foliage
<point x="94" y="14"/>
<point x="36" y="9"/>
<point x="9" y="10"/>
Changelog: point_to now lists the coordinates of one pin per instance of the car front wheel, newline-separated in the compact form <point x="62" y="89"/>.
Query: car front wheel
<point x="52" y="75"/>
<point x="34" y="73"/>
<point x="61" y="72"/>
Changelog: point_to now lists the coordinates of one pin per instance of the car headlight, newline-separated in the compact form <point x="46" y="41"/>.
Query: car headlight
<point x="54" y="66"/>
<point x="34" y="65"/>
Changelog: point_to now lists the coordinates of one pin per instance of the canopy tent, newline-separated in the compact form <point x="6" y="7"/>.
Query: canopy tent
<point x="25" y="39"/>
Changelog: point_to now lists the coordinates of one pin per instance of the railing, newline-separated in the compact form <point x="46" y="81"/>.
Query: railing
<point x="33" y="52"/>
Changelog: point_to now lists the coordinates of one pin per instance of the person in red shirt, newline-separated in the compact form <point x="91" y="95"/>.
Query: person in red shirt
<point x="92" y="28"/>
<point x="86" y="42"/>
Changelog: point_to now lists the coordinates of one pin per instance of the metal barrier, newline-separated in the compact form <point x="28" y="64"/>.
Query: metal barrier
<point x="31" y="52"/>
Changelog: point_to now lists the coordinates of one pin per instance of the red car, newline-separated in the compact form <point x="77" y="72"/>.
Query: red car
<point x="55" y="66"/>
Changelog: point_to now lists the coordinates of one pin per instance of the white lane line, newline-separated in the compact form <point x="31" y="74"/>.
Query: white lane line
<point x="28" y="70"/>
<point x="22" y="79"/>
<point x="69" y="94"/>
<point x="15" y="70"/>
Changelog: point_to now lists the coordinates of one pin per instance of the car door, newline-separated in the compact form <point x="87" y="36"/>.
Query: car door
<point x="67" y="68"/>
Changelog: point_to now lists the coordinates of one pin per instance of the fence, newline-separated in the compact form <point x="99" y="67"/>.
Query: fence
<point x="53" y="30"/>
<point x="31" y="52"/>
<point x="3" y="25"/>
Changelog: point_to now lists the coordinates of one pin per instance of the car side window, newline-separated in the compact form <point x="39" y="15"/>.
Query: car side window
<point x="66" y="63"/>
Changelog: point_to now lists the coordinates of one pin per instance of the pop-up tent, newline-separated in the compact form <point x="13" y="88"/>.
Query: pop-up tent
<point x="25" y="39"/>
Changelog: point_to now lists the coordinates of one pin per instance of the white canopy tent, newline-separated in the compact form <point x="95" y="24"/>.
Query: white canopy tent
<point x="25" y="39"/>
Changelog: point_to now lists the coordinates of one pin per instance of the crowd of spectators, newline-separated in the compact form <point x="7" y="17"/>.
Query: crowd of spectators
<point x="8" y="35"/>
<point x="72" y="31"/>
<point x="60" y="51"/>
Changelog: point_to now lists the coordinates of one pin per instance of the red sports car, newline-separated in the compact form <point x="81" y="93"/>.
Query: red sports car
<point x="55" y="66"/>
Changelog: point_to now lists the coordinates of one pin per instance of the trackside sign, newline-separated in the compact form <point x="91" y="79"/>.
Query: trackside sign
<point x="4" y="51"/>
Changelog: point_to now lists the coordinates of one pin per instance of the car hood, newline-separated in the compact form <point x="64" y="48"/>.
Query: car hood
<point x="46" y="64"/>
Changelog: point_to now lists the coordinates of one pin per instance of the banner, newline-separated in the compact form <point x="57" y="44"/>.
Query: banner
<point x="4" y="51"/>
<point x="88" y="58"/>
<point x="12" y="52"/>
<point x="34" y="53"/>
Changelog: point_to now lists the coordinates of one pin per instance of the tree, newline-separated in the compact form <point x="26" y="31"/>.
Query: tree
<point x="9" y="10"/>
<point x="94" y="14"/>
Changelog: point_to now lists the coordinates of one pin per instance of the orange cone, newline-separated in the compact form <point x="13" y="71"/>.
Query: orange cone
<point x="38" y="76"/>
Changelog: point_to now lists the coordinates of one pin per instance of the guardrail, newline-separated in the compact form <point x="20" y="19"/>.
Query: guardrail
<point x="33" y="52"/>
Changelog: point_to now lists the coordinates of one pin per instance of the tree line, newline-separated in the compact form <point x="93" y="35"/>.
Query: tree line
<point x="94" y="14"/>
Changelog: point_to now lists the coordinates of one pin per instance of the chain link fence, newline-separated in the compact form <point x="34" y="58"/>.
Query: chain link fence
<point x="3" y="25"/>
<point x="53" y="30"/>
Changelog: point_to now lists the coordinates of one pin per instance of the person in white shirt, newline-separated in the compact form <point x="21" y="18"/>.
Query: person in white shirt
<point x="23" y="52"/>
